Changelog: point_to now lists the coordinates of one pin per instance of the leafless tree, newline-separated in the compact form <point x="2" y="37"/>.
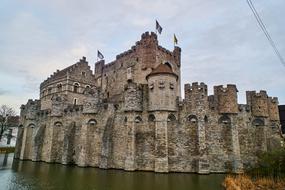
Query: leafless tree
<point x="8" y="119"/>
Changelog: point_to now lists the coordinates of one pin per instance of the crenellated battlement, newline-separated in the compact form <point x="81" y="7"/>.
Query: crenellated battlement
<point x="195" y="87"/>
<point x="29" y="110"/>
<point x="225" y="89"/>
<point x="164" y="50"/>
<point x="261" y="94"/>
<point x="224" y="100"/>
<point x="148" y="36"/>
<point x="63" y="73"/>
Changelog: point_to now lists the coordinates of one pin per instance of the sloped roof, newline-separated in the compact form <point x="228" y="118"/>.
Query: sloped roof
<point x="162" y="69"/>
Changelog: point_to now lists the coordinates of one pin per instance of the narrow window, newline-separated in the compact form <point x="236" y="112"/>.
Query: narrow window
<point x="74" y="101"/>
<point x="75" y="87"/>
<point x="92" y="122"/>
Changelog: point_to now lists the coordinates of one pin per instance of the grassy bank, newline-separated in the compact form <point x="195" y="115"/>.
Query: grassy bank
<point x="244" y="182"/>
<point x="4" y="150"/>
<point x="267" y="174"/>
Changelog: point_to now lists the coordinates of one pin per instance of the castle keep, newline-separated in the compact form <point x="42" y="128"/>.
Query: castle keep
<point x="129" y="114"/>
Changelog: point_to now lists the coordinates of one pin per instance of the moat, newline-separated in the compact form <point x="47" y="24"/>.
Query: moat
<point x="28" y="175"/>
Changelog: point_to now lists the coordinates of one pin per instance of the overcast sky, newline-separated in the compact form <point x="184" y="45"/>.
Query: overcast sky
<point x="220" y="39"/>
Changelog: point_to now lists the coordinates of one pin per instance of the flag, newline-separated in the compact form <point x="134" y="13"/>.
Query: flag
<point x="100" y="55"/>
<point x="158" y="27"/>
<point x="175" y="39"/>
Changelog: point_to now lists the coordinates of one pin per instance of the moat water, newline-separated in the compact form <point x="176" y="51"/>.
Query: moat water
<point x="26" y="175"/>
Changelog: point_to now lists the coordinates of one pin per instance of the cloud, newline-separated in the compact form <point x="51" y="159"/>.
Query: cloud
<point x="3" y="92"/>
<point x="220" y="40"/>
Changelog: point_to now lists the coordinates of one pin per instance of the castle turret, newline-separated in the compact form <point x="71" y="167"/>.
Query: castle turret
<point x="147" y="47"/>
<point x="196" y="102"/>
<point x="177" y="55"/>
<point x="99" y="65"/>
<point x="162" y="83"/>
<point x="196" y="97"/>
<point x="29" y="121"/>
<point x="226" y="98"/>
<point x="273" y="109"/>
<point x="258" y="103"/>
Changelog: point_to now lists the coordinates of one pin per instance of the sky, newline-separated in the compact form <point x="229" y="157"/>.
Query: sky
<point x="220" y="39"/>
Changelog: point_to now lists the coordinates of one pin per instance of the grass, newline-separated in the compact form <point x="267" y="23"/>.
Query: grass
<point x="244" y="182"/>
<point x="267" y="174"/>
<point x="4" y="150"/>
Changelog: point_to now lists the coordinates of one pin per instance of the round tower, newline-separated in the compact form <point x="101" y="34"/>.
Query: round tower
<point x="162" y="84"/>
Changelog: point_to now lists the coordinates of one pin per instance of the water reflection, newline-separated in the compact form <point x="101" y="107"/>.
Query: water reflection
<point x="6" y="160"/>
<point x="38" y="175"/>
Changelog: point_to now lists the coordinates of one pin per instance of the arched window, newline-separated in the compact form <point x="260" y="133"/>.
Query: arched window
<point x="76" y="87"/>
<point x="31" y="125"/>
<point x="125" y="119"/>
<point x="171" y="118"/>
<point x="225" y="120"/>
<point x="151" y="118"/>
<point x="87" y="87"/>
<point x="57" y="124"/>
<point x="92" y="122"/>
<point x="138" y="119"/>
<point x="59" y="87"/>
<point x="258" y="122"/>
<point x="192" y="119"/>
<point x="75" y="101"/>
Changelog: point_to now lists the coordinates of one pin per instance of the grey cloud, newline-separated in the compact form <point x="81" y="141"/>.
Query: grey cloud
<point x="3" y="91"/>
<point x="221" y="42"/>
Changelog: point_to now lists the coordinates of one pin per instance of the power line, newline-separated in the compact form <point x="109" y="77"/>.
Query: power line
<point x="263" y="28"/>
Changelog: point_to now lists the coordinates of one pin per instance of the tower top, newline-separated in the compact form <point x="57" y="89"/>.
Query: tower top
<point x="162" y="69"/>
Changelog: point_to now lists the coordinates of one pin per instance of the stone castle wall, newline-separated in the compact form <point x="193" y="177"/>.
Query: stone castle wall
<point x="129" y="117"/>
<point x="139" y="62"/>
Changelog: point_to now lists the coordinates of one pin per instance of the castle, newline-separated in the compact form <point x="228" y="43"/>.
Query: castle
<point x="129" y="115"/>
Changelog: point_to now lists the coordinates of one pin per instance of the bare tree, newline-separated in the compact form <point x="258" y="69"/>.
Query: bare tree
<point x="8" y="119"/>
